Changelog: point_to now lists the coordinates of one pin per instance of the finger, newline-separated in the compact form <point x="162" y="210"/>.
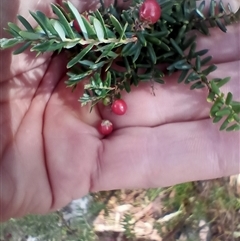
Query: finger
<point x="223" y="47"/>
<point x="172" y="102"/>
<point x="22" y="160"/>
<point x="16" y="64"/>
<point x="86" y="5"/>
<point x="233" y="3"/>
<point x="166" y="155"/>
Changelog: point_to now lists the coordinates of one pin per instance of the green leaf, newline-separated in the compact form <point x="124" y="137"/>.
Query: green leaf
<point x="191" y="77"/>
<point x="42" y="47"/>
<point x="78" y="17"/>
<point x="153" y="40"/>
<point x="236" y="117"/>
<point x="127" y="17"/>
<point x="223" y="112"/>
<point x="221" y="7"/>
<point x="217" y="119"/>
<point x="75" y="78"/>
<point x="8" y="43"/>
<point x="65" y="10"/>
<point x="188" y="42"/>
<point x="46" y="22"/>
<point x="206" y="60"/>
<point x="12" y="32"/>
<point x="226" y="123"/>
<point x="211" y="97"/>
<point x="164" y="46"/>
<point x="198" y="64"/>
<point x="191" y="51"/>
<point x="145" y="77"/>
<point x="55" y="46"/>
<point x="25" y="23"/>
<point x="110" y="33"/>
<point x="151" y="53"/>
<point x="116" y="24"/>
<point x="22" y="48"/>
<point x="127" y="86"/>
<point x="63" y="21"/>
<point x="40" y="22"/>
<point x="126" y="48"/>
<point x="127" y="65"/>
<point x="159" y="34"/>
<point x="92" y="65"/>
<point x="214" y="87"/>
<point x="137" y="54"/>
<point x="48" y="46"/>
<point x="141" y="38"/>
<point x="132" y="50"/>
<point x="123" y="35"/>
<point x="90" y="29"/>
<point x="200" y="53"/>
<point x="183" y="75"/>
<point x="105" y="51"/>
<point x="223" y="82"/>
<point x="204" y="28"/>
<point x="236" y="108"/>
<point x="183" y="66"/>
<point x="14" y="27"/>
<point x="197" y="85"/>
<point x="234" y="127"/>
<point x="210" y="69"/>
<point x="201" y="6"/>
<point x="221" y="25"/>
<point x="181" y="33"/>
<point x="168" y="18"/>
<point x="177" y="47"/>
<point x="100" y="18"/>
<point x="158" y="80"/>
<point x="99" y="29"/>
<point x="78" y="57"/>
<point x="29" y="35"/>
<point x="180" y="64"/>
<point x="200" y="14"/>
<point x="212" y="8"/>
<point x="166" y="55"/>
<point x="229" y="98"/>
<point x="59" y="29"/>
<point x="216" y="106"/>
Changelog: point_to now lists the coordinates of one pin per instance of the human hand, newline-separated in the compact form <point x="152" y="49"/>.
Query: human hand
<point x="52" y="153"/>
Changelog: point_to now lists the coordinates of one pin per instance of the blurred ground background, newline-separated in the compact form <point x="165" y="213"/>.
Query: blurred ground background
<point x="204" y="211"/>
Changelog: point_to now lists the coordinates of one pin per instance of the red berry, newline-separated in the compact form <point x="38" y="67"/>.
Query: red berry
<point x="105" y="127"/>
<point x="119" y="107"/>
<point x="150" y="11"/>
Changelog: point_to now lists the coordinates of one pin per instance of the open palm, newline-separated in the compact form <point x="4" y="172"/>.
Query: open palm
<point x="52" y="153"/>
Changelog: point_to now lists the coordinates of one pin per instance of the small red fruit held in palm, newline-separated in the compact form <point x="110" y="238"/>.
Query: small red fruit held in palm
<point x="150" y="11"/>
<point x="119" y="107"/>
<point x="105" y="127"/>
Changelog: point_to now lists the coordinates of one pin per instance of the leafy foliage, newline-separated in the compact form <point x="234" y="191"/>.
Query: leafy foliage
<point x="110" y="35"/>
<point x="175" y="211"/>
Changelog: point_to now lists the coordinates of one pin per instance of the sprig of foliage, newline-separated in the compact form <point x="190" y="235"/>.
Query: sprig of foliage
<point x="110" y="35"/>
<point x="128" y="225"/>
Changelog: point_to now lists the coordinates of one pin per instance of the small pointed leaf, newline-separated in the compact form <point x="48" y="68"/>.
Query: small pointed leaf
<point x="78" y="57"/>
